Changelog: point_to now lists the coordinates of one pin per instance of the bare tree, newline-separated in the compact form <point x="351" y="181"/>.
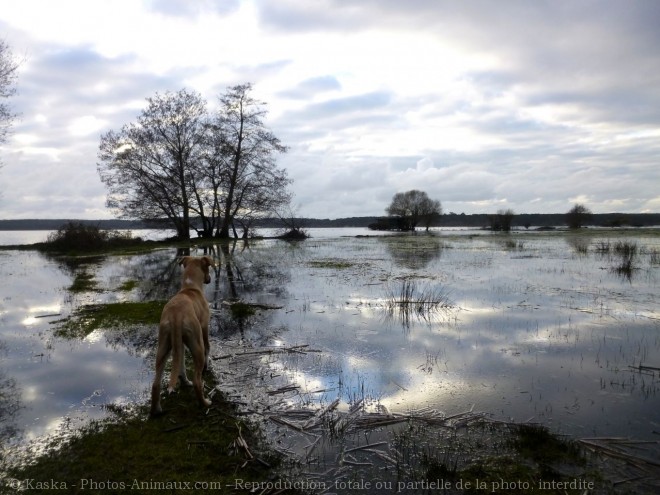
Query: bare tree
<point x="265" y="196"/>
<point x="196" y="170"/>
<point x="8" y="75"/>
<point x="149" y="166"/>
<point x="249" y="174"/>
<point x="502" y="220"/>
<point x="414" y="207"/>
<point x="577" y="216"/>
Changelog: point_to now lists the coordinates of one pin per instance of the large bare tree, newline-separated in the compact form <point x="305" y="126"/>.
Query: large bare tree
<point x="149" y="166"/>
<point x="249" y="174"/>
<point x="196" y="170"/>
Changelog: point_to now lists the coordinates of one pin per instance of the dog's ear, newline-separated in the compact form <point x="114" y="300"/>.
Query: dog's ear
<point x="184" y="261"/>
<point x="208" y="261"/>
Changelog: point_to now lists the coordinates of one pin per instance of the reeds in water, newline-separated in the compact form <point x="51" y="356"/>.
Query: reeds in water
<point x="626" y="252"/>
<point x="409" y="299"/>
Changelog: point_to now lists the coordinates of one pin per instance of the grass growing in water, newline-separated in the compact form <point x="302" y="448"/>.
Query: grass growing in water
<point x="92" y="317"/>
<point x="626" y="252"/>
<point x="331" y="264"/>
<point x="84" y="282"/>
<point x="408" y="299"/>
<point x="240" y="310"/>
<point x="505" y="458"/>
<point x="128" y="286"/>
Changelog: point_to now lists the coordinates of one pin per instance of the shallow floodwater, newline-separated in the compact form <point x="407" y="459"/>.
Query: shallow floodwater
<point x="50" y="381"/>
<point x="530" y="326"/>
<point x="533" y="327"/>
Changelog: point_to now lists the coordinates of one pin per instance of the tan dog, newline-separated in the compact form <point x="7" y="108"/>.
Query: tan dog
<point x="185" y="320"/>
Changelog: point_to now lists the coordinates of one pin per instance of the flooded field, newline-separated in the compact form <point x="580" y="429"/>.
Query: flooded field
<point x="551" y="328"/>
<point x="526" y="327"/>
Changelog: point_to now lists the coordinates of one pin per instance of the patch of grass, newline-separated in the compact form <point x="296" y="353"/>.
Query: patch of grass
<point x="240" y="310"/>
<point x="531" y="460"/>
<point x="84" y="282"/>
<point x="603" y="247"/>
<point x="92" y="317"/>
<point x="514" y="245"/>
<point x="129" y="452"/>
<point x="626" y="249"/>
<point x="537" y="443"/>
<point x="654" y="257"/>
<point x="627" y="253"/>
<point x="331" y="264"/>
<point x="78" y="238"/>
<point x="409" y="299"/>
<point x="128" y="286"/>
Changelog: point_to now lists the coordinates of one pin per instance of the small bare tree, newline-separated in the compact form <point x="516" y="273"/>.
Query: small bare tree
<point x="414" y="207"/>
<point x="502" y="220"/>
<point x="577" y="216"/>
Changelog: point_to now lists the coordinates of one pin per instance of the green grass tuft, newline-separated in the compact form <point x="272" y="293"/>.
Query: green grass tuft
<point x="92" y="317"/>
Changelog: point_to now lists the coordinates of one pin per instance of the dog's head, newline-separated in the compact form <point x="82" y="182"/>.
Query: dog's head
<point x="203" y="264"/>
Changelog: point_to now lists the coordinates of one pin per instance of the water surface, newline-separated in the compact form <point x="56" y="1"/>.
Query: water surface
<point x="536" y="327"/>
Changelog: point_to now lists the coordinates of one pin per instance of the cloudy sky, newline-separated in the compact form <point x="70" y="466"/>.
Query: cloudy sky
<point x="529" y="105"/>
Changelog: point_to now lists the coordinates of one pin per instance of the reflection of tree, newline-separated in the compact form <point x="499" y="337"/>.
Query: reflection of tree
<point x="414" y="252"/>
<point x="241" y="271"/>
<point x="10" y="404"/>
<point x="160" y="275"/>
<point x="240" y="274"/>
<point x="243" y="274"/>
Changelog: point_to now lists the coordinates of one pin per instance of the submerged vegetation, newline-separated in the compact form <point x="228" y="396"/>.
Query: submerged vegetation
<point x="408" y="300"/>
<point x="627" y="253"/>
<point x="501" y="458"/>
<point x="624" y="255"/>
<point x="89" y="318"/>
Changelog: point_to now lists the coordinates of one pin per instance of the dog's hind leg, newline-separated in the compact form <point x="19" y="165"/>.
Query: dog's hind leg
<point x="178" y="360"/>
<point x="183" y="377"/>
<point x="164" y="347"/>
<point x="196" y="346"/>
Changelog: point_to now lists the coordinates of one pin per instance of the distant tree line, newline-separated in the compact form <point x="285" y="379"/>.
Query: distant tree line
<point x="504" y="220"/>
<point x="210" y="172"/>
<point x="478" y="220"/>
